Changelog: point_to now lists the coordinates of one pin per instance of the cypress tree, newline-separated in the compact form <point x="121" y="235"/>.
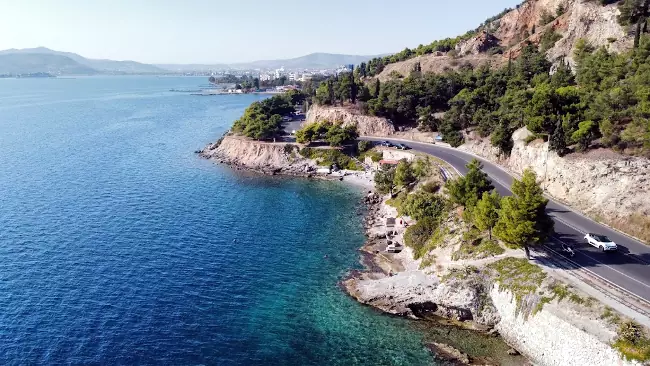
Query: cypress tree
<point x="557" y="141"/>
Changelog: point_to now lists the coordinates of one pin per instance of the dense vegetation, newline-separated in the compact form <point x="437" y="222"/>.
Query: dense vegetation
<point x="518" y="221"/>
<point x="333" y="133"/>
<point x="606" y="103"/>
<point x="263" y="119"/>
<point x="330" y="157"/>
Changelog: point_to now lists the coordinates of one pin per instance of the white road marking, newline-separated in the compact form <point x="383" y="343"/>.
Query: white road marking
<point x="606" y="265"/>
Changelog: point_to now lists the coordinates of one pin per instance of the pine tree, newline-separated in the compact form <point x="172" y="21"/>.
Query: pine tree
<point x="557" y="141"/>
<point x="485" y="213"/>
<point x="467" y="190"/>
<point x="404" y="174"/>
<point x="523" y="220"/>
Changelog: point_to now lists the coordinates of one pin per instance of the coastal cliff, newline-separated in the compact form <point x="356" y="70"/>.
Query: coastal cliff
<point x="265" y="157"/>
<point x="549" y="322"/>
<point x="366" y="125"/>
<point x="607" y="186"/>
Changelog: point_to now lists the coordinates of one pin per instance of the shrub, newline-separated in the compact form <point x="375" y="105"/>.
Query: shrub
<point x="329" y="157"/>
<point x="421" y="205"/>
<point x="416" y="236"/>
<point x="364" y="146"/>
<point x="632" y="342"/>
<point x="478" y="249"/>
<point x="431" y="187"/>
<point x="548" y="40"/>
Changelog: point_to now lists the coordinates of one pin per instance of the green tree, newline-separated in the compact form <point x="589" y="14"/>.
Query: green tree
<point x="384" y="179"/>
<point x="420" y="205"/>
<point x="557" y="141"/>
<point x="635" y="12"/>
<point x="404" y="174"/>
<point x="584" y="135"/>
<point x="486" y="214"/>
<point x="523" y="220"/>
<point x="467" y="190"/>
<point x="364" y="146"/>
<point x="502" y="139"/>
<point x="337" y="135"/>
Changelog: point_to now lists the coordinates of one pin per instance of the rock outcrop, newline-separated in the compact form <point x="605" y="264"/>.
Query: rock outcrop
<point x="414" y="294"/>
<point x="582" y="19"/>
<point x="259" y="156"/>
<point x="366" y="125"/>
<point x="612" y="188"/>
<point x="439" y="63"/>
<point x="478" y="44"/>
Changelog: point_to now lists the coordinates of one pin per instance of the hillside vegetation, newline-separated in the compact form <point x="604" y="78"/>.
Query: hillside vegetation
<point x="602" y="102"/>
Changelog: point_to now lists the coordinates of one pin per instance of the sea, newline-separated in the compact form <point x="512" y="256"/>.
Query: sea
<point x="120" y="246"/>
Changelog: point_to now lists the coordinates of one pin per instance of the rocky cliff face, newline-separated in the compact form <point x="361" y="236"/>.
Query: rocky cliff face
<point x="256" y="155"/>
<point x="582" y="19"/>
<point x="548" y="339"/>
<point x="614" y="189"/>
<point x="366" y="125"/>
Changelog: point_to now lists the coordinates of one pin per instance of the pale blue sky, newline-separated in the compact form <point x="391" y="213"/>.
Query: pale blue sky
<point x="213" y="31"/>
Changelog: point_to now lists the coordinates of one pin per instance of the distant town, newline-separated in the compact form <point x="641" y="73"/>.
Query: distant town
<point x="268" y="81"/>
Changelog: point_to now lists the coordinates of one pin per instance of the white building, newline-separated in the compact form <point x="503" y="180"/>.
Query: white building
<point x="279" y="72"/>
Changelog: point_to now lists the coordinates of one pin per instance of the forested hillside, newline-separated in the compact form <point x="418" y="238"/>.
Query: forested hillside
<point x="602" y="102"/>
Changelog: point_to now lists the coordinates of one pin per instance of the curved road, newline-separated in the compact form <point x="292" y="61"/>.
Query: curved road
<point x="628" y="268"/>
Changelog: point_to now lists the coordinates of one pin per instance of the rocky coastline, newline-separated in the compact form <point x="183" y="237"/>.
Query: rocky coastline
<point x="470" y="317"/>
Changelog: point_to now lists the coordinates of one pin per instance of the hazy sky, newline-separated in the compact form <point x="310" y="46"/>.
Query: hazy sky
<point x="213" y="31"/>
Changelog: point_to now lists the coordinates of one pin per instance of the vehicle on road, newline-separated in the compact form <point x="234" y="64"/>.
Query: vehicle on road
<point x="386" y="144"/>
<point x="601" y="242"/>
<point x="402" y="147"/>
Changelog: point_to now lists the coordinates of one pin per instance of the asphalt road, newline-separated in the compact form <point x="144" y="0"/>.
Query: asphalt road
<point x="628" y="268"/>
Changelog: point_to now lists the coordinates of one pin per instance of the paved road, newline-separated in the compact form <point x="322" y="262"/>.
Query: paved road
<point x="628" y="268"/>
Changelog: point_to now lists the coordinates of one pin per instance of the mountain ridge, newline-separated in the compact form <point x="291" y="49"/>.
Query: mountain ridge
<point x="43" y="59"/>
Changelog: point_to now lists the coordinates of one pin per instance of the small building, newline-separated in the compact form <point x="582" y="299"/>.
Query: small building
<point x="390" y="222"/>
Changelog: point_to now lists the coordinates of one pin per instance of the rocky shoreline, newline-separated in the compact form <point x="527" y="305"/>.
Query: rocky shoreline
<point x="378" y="265"/>
<point x="455" y="302"/>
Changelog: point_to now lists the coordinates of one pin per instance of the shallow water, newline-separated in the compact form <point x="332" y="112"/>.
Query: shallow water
<point x="119" y="246"/>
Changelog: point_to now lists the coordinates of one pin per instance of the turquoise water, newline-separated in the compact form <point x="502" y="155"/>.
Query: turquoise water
<point x="118" y="245"/>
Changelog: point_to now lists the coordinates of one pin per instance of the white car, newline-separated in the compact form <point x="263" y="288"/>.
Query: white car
<point x="601" y="242"/>
<point x="394" y="248"/>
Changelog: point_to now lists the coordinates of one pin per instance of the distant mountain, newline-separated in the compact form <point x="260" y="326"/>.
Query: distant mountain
<point x="311" y="61"/>
<point x="42" y="59"/>
<point x="29" y="63"/>
<point x="98" y="66"/>
<point x="192" y="67"/>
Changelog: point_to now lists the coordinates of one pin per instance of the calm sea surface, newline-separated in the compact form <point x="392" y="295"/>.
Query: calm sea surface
<point x="118" y="245"/>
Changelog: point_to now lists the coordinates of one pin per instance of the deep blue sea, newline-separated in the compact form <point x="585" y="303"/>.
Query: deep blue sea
<point x="118" y="245"/>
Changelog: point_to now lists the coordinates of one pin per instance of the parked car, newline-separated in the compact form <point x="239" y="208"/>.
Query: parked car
<point x="394" y="248"/>
<point x="601" y="242"/>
